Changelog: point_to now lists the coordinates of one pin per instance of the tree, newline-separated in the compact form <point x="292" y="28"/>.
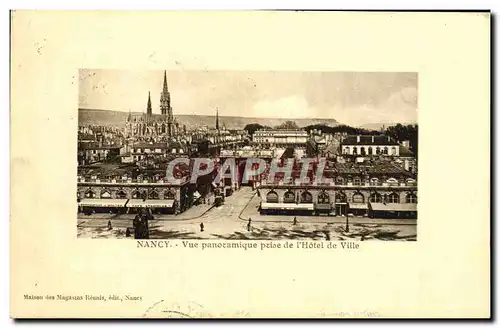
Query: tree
<point x="401" y="133"/>
<point x="288" y="125"/>
<point x="252" y="127"/>
<point x="339" y="129"/>
<point x="203" y="146"/>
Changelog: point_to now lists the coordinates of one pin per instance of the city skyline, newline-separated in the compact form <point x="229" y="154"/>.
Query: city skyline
<point x="354" y="98"/>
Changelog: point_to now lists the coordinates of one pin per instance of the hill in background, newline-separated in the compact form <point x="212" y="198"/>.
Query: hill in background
<point x="118" y="119"/>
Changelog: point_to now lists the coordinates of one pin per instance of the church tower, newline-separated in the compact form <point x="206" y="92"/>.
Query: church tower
<point x="166" y="109"/>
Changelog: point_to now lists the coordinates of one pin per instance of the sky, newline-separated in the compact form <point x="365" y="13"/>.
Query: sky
<point x="353" y="98"/>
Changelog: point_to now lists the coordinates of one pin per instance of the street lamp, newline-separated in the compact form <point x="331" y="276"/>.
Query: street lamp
<point x="347" y="218"/>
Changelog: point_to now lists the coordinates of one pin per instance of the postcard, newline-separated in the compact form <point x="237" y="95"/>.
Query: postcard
<point x="250" y="165"/>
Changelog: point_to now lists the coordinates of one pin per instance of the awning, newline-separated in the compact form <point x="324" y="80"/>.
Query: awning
<point x="155" y="203"/>
<point x="358" y="206"/>
<point x="287" y="206"/>
<point x="102" y="202"/>
<point x="394" y="207"/>
<point x="323" y="207"/>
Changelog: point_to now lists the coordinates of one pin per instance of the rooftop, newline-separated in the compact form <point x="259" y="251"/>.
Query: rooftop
<point x="96" y="146"/>
<point x="405" y="152"/>
<point x="368" y="140"/>
<point x="151" y="145"/>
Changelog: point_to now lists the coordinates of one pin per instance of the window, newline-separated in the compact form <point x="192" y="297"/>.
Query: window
<point x="374" y="182"/>
<point x="105" y="194"/>
<point x="306" y="197"/>
<point x="392" y="181"/>
<point x="323" y="198"/>
<point x="411" y="198"/>
<point x="358" y="198"/>
<point x="153" y="194"/>
<point x="376" y="198"/>
<point x="363" y="151"/>
<point x="289" y="197"/>
<point x="272" y="197"/>
<point x="386" y="150"/>
<point x="357" y="182"/>
<point x="370" y="151"/>
<point x="394" y="151"/>
<point x="136" y="194"/>
<point x="169" y="194"/>
<point x="354" y="150"/>
<point x="377" y="150"/>
<point x="121" y="194"/>
<point x="340" y="180"/>
<point x="340" y="197"/>
<point x="393" y="198"/>
<point x="89" y="194"/>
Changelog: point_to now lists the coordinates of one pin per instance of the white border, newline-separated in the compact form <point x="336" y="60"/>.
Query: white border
<point x="493" y="5"/>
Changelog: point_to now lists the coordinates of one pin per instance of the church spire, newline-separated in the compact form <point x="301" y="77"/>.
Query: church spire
<point x="165" y="97"/>
<point x="129" y="119"/>
<point x="149" y="112"/>
<point x="165" y="85"/>
<point x="217" y="120"/>
<point x="166" y="109"/>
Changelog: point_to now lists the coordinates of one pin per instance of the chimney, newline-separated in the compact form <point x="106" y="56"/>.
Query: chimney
<point x="358" y="139"/>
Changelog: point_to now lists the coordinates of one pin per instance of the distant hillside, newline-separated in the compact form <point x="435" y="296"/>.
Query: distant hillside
<point x="378" y="126"/>
<point x="118" y="119"/>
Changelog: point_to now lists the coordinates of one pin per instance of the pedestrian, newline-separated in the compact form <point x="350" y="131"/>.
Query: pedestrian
<point x="362" y="237"/>
<point x="249" y="220"/>
<point x="137" y="227"/>
<point x="201" y="226"/>
<point x="109" y="225"/>
<point x="209" y="202"/>
<point x="127" y="232"/>
<point x="295" y="221"/>
<point x="248" y="226"/>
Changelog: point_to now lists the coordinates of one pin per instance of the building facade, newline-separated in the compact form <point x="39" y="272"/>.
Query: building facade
<point x="127" y="195"/>
<point x="280" y="138"/>
<point x="363" y="145"/>
<point x="381" y="190"/>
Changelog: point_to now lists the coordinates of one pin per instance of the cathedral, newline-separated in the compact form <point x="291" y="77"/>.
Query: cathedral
<point x="158" y="127"/>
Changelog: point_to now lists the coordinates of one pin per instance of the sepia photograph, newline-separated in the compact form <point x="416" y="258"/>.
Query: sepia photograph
<point x="261" y="164"/>
<point x="247" y="155"/>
